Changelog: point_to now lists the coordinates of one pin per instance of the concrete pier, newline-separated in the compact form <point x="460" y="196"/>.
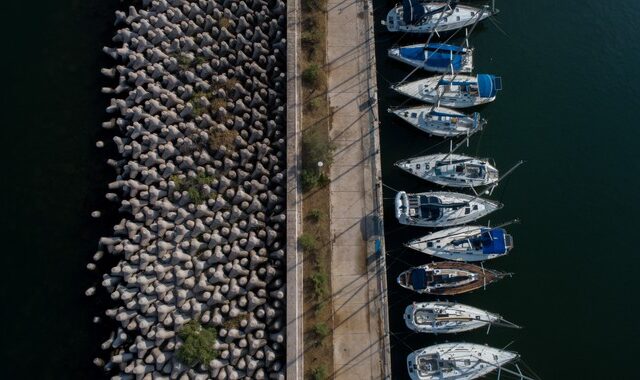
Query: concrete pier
<point x="294" y="314"/>
<point x="360" y="337"/>
<point x="361" y="347"/>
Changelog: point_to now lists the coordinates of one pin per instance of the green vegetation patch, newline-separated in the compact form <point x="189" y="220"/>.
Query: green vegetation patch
<point x="320" y="373"/>
<point x="307" y="242"/>
<point x="198" y="344"/>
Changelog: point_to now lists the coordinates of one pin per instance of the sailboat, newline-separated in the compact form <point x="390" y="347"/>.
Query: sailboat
<point x="415" y="16"/>
<point x="465" y="243"/>
<point x="441" y="209"/>
<point x="447" y="278"/>
<point x="449" y="317"/>
<point x="440" y="121"/>
<point x="459" y="361"/>
<point x="453" y="90"/>
<point x="450" y="169"/>
<point x="437" y="57"/>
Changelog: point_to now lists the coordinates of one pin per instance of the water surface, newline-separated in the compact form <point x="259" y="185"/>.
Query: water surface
<point x="567" y="108"/>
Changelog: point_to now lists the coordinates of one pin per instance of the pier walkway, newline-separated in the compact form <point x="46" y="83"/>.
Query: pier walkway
<point x="360" y="335"/>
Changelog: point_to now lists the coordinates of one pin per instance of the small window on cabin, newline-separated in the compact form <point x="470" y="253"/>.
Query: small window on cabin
<point x="495" y="357"/>
<point x="475" y="207"/>
<point x="445" y="19"/>
<point x="414" y="115"/>
<point x="467" y="210"/>
<point x="429" y="244"/>
<point x="467" y="362"/>
<point x="458" y="18"/>
<point x="473" y="14"/>
<point x="417" y="166"/>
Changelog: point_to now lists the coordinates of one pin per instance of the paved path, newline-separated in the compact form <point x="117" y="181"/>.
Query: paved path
<point x="294" y="330"/>
<point x="357" y="271"/>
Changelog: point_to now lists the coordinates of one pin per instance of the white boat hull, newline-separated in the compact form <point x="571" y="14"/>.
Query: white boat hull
<point x="467" y="65"/>
<point x="451" y="170"/>
<point x="465" y="361"/>
<point x="446" y="317"/>
<point x="461" y="17"/>
<point x="441" y="244"/>
<point x="429" y="90"/>
<point x="474" y="209"/>
<point x="440" y="121"/>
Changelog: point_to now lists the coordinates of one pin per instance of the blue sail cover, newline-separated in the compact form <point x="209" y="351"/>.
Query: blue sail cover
<point x="436" y="113"/>
<point x="437" y="55"/>
<point x="489" y="85"/>
<point x="493" y="241"/>
<point x="412" y="11"/>
<point x="419" y="278"/>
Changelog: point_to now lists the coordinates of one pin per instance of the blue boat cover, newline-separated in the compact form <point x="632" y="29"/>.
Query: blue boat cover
<point x="444" y="47"/>
<point x="488" y="85"/>
<point x="412" y="11"/>
<point x="419" y="278"/>
<point x="437" y="56"/>
<point x="435" y="113"/>
<point x="493" y="241"/>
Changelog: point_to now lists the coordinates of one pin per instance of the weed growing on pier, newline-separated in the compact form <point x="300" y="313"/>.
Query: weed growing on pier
<point x="311" y="76"/>
<point x="319" y="373"/>
<point x="314" y="215"/>
<point x="320" y="281"/>
<point x="321" y="330"/>
<point x="307" y="242"/>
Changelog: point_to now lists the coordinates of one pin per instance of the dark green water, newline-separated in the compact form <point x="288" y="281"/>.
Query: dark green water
<point x="53" y="177"/>
<point x="568" y="104"/>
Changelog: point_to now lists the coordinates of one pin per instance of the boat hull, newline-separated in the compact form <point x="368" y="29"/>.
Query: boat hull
<point x="480" y="278"/>
<point x="459" y="91"/>
<point x="466" y="67"/>
<point x="441" y="169"/>
<point x="478" y="361"/>
<point x="457" y="317"/>
<point x="463" y="16"/>
<point x="440" y="121"/>
<point x="475" y="208"/>
<point x="440" y="244"/>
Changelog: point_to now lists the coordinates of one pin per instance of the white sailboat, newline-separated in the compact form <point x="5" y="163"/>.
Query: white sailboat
<point x="441" y="209"/>
<point x="440" y="121"/>
<point x="436" y="57"/>
<point x="449" y="317"/>
<point x="453" y="90"/>
<point x="452" y="170"/>
<point x="465" y="243"/>
<point x="416" y="16"/>
<point x="459" y="361"/>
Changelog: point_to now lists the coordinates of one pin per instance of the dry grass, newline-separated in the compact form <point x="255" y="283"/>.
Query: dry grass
<point x="318" y="359"/>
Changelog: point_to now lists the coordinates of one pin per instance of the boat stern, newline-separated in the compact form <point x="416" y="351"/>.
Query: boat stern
<point x="402" y="207"/>
<point x="408" y="316"/>
<point x="393" y="19"/>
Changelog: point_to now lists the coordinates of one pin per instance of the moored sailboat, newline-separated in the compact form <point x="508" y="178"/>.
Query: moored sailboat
<point x="436" y="57"/>
<point x="416" y="16"/>
<point x="452" y="170"/>
<point x="460" y="361"/>
<point x="447" y="278"/>
<point x="453" y="90"/>
<point x="465" y="243"/>
<point x="441" y="208"/>
<point x="440" y="121"/>
<point x="449" y="317"/>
